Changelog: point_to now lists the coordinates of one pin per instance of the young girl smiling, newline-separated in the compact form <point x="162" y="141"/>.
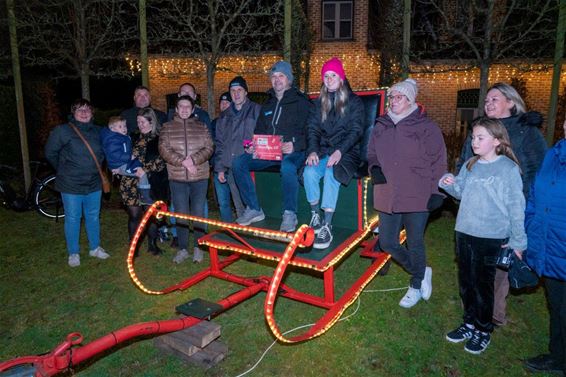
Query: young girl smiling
<point x="491" y="216"/>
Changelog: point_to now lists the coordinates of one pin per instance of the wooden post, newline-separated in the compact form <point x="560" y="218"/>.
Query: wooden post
<point x="19" y="92"/>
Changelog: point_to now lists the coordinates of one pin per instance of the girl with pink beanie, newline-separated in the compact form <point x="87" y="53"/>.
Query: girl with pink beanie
<point x="334" y="132"/>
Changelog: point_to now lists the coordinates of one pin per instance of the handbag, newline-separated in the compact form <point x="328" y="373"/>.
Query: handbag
<point x="520" y="274"/>
<point x="103" y="177"/>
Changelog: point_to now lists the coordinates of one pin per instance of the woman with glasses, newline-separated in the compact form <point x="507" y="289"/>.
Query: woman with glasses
<point x="406" y="158"/>
<point x="78" y="178"/>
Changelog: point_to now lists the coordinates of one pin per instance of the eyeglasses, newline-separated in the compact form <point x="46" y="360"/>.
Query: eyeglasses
<point x="396" y="98"/>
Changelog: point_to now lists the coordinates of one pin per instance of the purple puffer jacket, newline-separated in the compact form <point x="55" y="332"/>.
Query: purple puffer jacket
<point x="412" y="157"/>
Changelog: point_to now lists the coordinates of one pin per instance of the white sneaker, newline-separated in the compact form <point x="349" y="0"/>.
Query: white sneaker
<point x="412" y="296"/>
<point x="197" y="255"/>
<point x="74" y="260"/>
<point x="426" y="284"/>
<point x="181" y="256"/>
<point x="99" y="253"/>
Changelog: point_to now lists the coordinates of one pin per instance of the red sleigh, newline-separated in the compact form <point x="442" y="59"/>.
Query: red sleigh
<point x="228" y="243"/>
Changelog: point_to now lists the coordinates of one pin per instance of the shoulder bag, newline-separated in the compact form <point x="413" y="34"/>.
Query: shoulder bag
<point x="103" y="177"/>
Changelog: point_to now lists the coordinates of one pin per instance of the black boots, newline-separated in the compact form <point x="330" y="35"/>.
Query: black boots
<point x="543" y="363"/>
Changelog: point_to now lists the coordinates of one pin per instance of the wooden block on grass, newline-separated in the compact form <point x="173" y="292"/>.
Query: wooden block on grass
<point x="177" y="343"/>
<point x="190" y="340"/>
<point x="201" y="334"/>
<point x="211" y="355"/>
<point x="205" y="358"/>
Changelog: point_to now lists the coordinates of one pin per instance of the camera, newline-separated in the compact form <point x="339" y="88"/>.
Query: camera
<point x="504" y="258"/>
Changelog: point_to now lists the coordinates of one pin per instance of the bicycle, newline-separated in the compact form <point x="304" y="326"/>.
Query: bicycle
<point x="41" y="196"/>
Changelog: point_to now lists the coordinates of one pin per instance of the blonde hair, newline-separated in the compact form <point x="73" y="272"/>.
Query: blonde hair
<point x="512" y="95"/>
<point x="112" y="121"/>
<point x="340" y="100"/>
<point x="150" y="116"/>
<point x="498" y="131"/>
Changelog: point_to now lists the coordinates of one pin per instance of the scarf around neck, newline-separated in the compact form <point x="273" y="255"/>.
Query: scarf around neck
<point x="396" y="118"/>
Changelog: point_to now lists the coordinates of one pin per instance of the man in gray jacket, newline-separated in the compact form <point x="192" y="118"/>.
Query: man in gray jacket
<point x="234" y="125"/>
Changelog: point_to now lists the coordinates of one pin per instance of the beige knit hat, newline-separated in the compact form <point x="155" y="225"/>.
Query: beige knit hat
<point x="407" y="87"/>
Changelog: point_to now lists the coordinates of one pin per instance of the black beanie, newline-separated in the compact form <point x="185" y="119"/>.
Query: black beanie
<point x="225" y="97"/>
<point x="238" y="81"/>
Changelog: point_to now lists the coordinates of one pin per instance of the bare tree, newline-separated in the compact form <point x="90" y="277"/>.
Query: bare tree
<point x="76" y="38"/>
<point x="302" y="45"/>
<point x="386" y="35"/>
<point x="5" y="53"/>
<point x="211" y="29"/>
<point x="482" y="32"/>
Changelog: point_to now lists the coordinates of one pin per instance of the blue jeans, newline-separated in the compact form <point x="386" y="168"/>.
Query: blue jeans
<point x="223" y="193"/>
<point x="292" y="162"/>
<point x="75" y="206"/>
<point x="173" y="220"/>
<point x="330" y="189"/>
<point x="189" y="198"/>
<point x="413" y="257"/>
<point x="143" y="181"/>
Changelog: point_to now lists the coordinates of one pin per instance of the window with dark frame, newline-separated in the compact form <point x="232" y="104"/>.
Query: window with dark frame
<point x="337" y="19"/>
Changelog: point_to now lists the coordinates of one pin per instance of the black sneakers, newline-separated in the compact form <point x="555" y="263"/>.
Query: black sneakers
<point x="478" y="343"/>
<point x="316" y="222"/>
<point x="464" y="332"/>
<point x="324" y="237"/>
<point x="476" y="340"/>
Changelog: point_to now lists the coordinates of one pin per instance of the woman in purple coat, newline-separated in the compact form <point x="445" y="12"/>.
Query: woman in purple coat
<point x="406" y="157"/>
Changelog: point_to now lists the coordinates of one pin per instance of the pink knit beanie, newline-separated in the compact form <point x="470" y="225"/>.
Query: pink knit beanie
<point x="334" y="65"/>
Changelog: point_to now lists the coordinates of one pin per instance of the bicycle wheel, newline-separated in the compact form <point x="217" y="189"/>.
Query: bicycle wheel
<point x="47" y="200"/>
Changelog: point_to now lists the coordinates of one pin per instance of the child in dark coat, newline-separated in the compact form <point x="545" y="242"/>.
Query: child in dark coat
<point x="117" y="147"/>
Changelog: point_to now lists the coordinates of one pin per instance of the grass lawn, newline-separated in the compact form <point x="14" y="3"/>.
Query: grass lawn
<point x="43" y="300"/>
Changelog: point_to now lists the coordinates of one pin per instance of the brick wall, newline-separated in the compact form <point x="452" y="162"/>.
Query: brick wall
<point x="439" y="92"/>
<point x="361" y="66"/>
<point x="166" y="75"/>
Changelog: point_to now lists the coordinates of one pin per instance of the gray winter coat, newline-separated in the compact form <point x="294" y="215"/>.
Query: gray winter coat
<point x="232" y="128"/>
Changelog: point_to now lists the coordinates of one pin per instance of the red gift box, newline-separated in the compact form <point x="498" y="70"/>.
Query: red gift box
<point x="268" y="147"/>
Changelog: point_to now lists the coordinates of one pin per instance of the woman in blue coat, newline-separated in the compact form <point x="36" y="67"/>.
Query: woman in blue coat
<point x="545" y="221"/>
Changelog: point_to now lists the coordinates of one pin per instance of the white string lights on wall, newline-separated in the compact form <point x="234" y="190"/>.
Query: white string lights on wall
<point x="469" y="75"/>
<point x="462" y="74"/>
<point x="171" y="66"/>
